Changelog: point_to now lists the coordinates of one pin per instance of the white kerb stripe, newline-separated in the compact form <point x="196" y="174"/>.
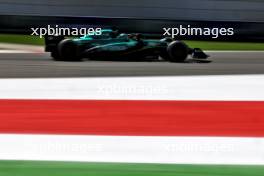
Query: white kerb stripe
<point x="235" y="87"/>
<point x="180" y="150"/>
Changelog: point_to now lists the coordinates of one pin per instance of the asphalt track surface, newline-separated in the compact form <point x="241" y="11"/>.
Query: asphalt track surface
<point x="40" y="65"/>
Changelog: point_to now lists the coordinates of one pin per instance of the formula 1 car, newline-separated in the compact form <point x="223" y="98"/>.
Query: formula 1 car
<point x="112" y="44"/>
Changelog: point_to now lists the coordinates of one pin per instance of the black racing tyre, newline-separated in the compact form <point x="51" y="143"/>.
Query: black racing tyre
<point x="177" y="51"/>
<point x="68" y="51"/>
<point x="55" y="55"/>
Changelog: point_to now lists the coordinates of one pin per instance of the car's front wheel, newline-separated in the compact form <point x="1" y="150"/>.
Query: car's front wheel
<point x="68" y="51"/>
<point x="177" y="51"/>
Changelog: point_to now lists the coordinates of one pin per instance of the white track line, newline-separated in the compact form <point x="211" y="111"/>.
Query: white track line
<point x="180" y="150"/>
<point x="235" y="87"/>
<point x="20" y="48"/>
<point x="234" y="51"/>
<point x="14" y="51"/>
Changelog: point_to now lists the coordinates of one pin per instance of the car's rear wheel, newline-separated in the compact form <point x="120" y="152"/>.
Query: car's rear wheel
<point x="68" y="51"/>
<point x="55" y="55"/>
<point x="177" y="51"/>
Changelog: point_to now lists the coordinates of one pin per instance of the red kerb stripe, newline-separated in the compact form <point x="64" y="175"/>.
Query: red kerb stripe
<point x="143" y="118"/>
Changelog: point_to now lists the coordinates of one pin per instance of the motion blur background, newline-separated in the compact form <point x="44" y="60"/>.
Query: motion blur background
<point x="143" y="16"/>
<point x="210" y="10"/>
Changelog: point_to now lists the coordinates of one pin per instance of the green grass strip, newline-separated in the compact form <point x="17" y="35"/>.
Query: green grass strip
<point x="216" y="45"/>
<point x="38" y="168"/>
<point x="21" y="39"/>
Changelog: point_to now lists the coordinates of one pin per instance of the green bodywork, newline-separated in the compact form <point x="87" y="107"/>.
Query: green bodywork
<point x="121" y="45"/>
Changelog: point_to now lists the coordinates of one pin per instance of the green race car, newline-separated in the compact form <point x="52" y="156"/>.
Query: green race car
<point x="112" y="44"/>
